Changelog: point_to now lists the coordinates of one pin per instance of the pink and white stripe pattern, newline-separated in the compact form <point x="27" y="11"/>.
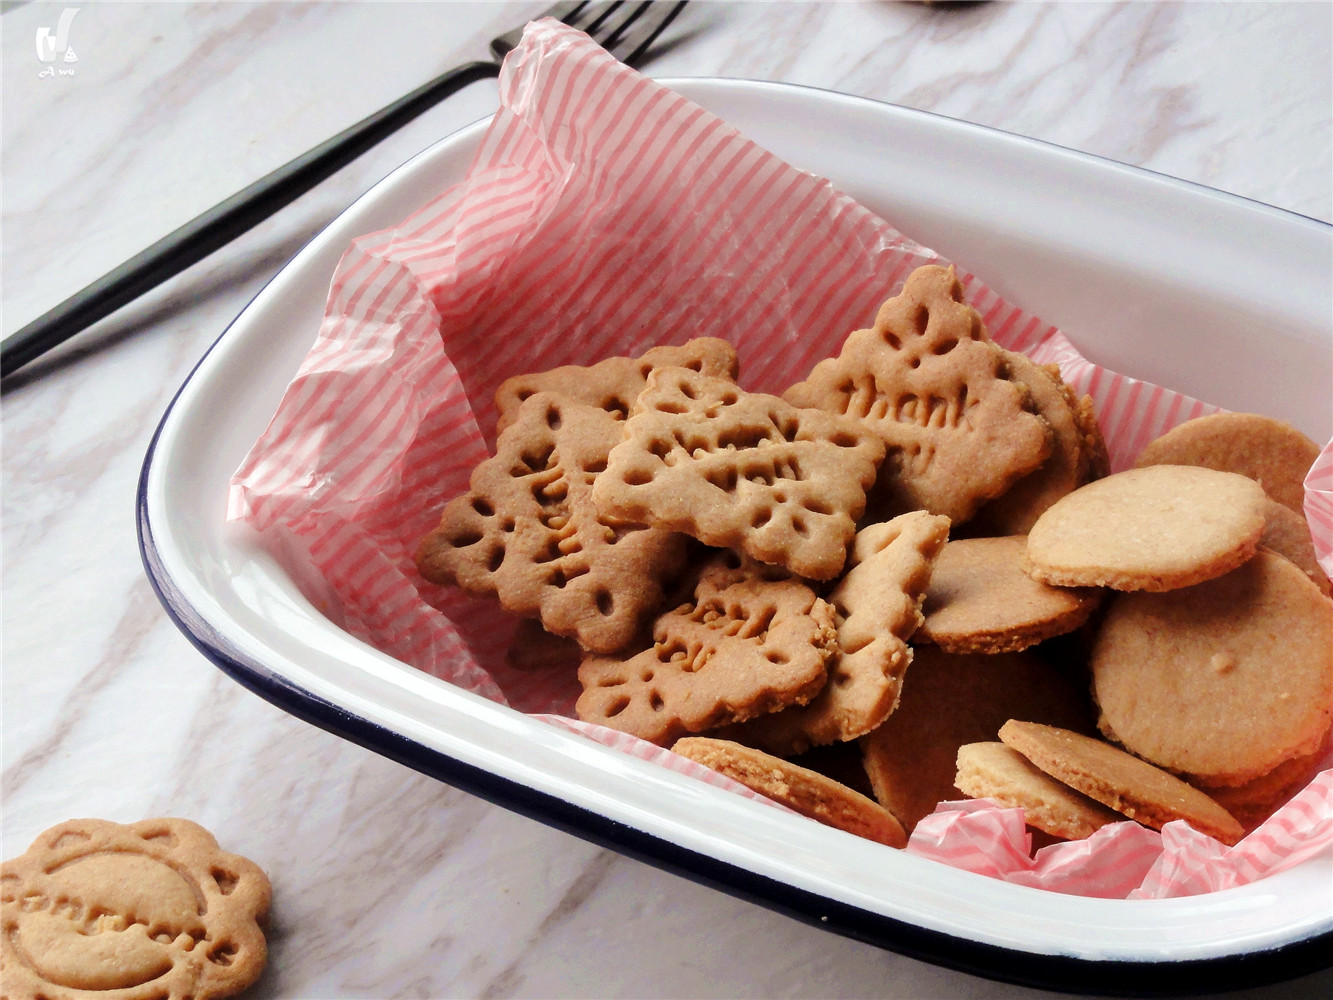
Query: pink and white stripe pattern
<point x="1126" y="860"/>
<point x="603" y="214"/>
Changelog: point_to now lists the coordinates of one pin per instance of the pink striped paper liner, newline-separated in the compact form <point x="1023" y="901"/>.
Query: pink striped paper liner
<point x="1192" y="863"/>
<point x="602" y="214"/>
<point x="984" y="837"/>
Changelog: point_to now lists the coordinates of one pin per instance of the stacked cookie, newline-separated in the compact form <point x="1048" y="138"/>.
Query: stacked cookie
<point x="1211" y="664"/>
<point x="748" y="577"/>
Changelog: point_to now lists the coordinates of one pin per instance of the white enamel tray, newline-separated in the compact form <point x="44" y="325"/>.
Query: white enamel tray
<point x="1224" y="299"/>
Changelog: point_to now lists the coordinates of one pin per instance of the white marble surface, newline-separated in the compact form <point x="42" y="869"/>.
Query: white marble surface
<point x="388" y="883"/>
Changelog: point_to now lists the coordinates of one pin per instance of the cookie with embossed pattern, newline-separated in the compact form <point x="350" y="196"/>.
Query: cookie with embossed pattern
<point x="929" y="382"/>
<point x="527" y="532"/>
<point x="147" y="911"/>
<point x="740" y="648"/>
<point x="741" y="470"/>
<point x="614" y="383"/>
<point x="878" y="607"/>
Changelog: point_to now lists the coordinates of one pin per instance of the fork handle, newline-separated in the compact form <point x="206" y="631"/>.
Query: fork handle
<point x="226" y="221"/>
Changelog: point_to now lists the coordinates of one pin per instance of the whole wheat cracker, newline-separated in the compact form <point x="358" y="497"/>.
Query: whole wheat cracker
<point x="949" y="700"/>
<point x="1253" y="802"/>
<point x="981" y="601"/>
<point x="534" y="648"/>
<point x="993" y="770"/>
<point x="1270" y="451"/>
<point x="1288" y="534"/>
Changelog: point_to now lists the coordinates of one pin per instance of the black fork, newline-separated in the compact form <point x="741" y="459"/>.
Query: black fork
<point x="627" y="30"/>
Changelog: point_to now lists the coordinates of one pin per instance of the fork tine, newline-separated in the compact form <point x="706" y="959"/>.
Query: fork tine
<point x="625" y="29"/>
<point x="643" y="27"/>
<point x="589" y="16"/>
<point x="576" y="13"/>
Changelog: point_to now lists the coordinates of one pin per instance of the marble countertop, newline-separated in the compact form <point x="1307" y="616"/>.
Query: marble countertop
<point x="388" y="883"/>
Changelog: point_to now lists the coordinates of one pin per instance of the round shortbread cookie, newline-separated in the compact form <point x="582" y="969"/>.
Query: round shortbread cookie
<point x="1288" y="534"/>
<point x="1270" y="451"/>
<point x="998" y="772"/>
<point x="949" y="700"/>
<point x="980" y="600"/>
<point x="1141" y="791"/>
<point x="1157" y="528"/>
<point x="1257" y="799"/>
<point x="1222" y="681"/>
<point x="808" y="792"/>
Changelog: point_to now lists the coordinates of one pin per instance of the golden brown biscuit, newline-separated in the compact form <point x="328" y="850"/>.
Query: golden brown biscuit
<point x="147" y="911"/>
<point x="981" y="601"/>
<point x="615" y="383"/>
<point x="1156" y="528"/>
<point x="927" y="379"/>
<point x="998" y="772"/>
<point x="736" y="651"/>
<point x="741" y="470"/>
<point x="808" y="792"/>
<point x="949" y="700"/>
<point x="1288" y="534"/>
<point x="878" y="607"/>
<point x="1257" y="799"/>
<point x="1222" y="681"/>
<point x="1270" y="451"/>
<point x="1076" y="452"/>
<point x="526" y="532"/>
<point x="1144" y="793"/>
